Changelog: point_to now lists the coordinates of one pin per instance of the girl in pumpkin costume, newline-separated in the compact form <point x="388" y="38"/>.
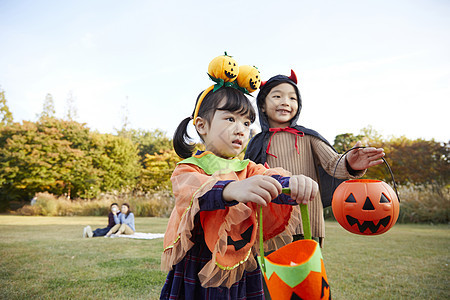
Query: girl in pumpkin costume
<point x="300" y="150"/>
<point x="210" y="241"/>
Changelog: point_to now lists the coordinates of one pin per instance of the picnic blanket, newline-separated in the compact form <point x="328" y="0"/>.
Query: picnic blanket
<point x="140" y="235"/>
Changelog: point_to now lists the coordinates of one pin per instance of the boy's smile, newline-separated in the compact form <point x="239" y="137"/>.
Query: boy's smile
<point x="281" y="105"/>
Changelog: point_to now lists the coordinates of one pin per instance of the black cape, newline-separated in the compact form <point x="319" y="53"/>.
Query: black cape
<point x="256" y="149"/>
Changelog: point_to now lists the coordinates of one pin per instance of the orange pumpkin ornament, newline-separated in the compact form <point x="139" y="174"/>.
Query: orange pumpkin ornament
<point x="224" y="67"/>
<point x="249" y="78"/>
<point x="366" y="206"/>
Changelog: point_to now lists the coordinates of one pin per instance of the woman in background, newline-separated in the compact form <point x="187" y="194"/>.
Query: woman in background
<point x="87" y="231"/>
<point x="124" y="222"/>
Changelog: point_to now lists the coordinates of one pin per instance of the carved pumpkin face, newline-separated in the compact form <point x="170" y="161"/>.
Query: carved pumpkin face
<point x="249" y="78"/>
<point x="224" y="67"/>
<point x="297" y="271"/>
<point x="365" y="206"/>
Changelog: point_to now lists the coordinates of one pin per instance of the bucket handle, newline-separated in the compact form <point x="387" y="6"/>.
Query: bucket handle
<point x="305" y="222"/>
<point x="389" y="168"/>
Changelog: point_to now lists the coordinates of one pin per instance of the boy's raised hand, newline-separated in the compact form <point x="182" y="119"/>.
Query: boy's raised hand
<point x="259" y="189"/>
<point x="303" y="188"/>
<point x="363" y="158"/>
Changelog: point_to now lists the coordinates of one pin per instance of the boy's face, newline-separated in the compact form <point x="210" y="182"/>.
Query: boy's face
<point x="281" y="105"/>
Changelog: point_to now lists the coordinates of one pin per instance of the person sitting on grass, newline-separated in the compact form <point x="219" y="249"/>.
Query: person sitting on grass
<point x="124" y="222"/>
<point x="87" y="231"/>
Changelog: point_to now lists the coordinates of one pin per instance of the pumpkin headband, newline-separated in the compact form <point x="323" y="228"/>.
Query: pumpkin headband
<point x="226" y="72"/>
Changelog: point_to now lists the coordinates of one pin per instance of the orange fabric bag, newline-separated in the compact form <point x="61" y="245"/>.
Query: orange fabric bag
<point x="295" y="271"/>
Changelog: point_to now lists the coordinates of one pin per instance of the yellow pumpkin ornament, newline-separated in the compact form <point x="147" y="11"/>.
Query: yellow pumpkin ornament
<point x="224" y="67"/>
<point x="249" y="78"/>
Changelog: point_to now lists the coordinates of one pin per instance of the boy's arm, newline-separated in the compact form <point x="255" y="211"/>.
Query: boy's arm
<point x="363" y="158"/>
<point x="117" y="218"/>
<point x="328" y="158"/>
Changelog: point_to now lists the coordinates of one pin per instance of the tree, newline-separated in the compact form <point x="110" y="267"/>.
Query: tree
<point x="125" y="120"/>
<point x="118" y="159"/>
<point x="412" y="161"/>
<point x="6" y="117"/>
<point x="345" y="141"/>
<point x="148" y="142"/>
<point x="71" y="110"/>
<point x="158" y="170"/>
<point x="34" y="158"/>
<point x="48" y="109"/>
<point x="415" y="161"/>
<point x="64" y="158"/>
<point x="78" y="176"/>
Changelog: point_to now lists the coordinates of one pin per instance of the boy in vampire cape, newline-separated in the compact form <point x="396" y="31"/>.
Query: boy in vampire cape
<point x="300" y="150"/>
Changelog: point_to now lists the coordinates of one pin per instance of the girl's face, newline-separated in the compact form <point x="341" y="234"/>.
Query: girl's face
<point x="124" y="209"/>
<point x="281" y="105"/>
<point x="226" y="135"/>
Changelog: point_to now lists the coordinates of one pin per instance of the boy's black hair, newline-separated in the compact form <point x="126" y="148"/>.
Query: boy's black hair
<point x="273" y="82"/>
<point x="236" y="101"/>
<point x="113" y="204"/>
<point x="256" y="149"/>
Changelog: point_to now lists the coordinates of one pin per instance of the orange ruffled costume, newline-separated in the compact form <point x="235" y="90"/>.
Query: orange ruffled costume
<point x="194" y="177"/>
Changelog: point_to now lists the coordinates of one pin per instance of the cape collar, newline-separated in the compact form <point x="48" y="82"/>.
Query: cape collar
<point x="294" y="131"/>
<point x="210" y="163"/>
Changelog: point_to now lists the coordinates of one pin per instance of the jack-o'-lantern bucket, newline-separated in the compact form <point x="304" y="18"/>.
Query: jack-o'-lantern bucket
<point x="366" y="206"/>
<point x="295" y="271"/>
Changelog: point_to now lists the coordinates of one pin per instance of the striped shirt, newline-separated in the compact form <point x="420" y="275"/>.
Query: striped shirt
<point x="311" y="153"/>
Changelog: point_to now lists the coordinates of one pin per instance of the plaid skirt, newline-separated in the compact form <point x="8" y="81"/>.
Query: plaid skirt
<point x="183" y="283"/>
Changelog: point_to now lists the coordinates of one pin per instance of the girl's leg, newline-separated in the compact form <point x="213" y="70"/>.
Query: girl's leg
<point x="113" y="230"/>
<point x="121" y="229"/>
<point x="125" y="229"/>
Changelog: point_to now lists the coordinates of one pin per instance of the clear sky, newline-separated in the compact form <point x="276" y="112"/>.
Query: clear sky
<point x="382" y="63"/>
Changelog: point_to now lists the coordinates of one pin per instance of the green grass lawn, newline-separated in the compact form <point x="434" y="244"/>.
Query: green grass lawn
<point x="46" y="258"/>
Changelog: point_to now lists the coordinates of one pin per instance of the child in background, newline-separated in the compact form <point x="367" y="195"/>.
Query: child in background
<point x="283" y="143"/>
<point x="124" y="222"/>
<point x="87" y="232"/>
<point x="209" y="245"/>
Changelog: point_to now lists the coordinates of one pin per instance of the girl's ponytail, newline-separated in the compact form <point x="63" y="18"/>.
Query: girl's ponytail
<point x="181" y="138"/>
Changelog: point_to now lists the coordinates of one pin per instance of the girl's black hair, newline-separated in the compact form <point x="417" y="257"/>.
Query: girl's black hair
<point x="236" y="101"/>
<point x="129" y="210"/>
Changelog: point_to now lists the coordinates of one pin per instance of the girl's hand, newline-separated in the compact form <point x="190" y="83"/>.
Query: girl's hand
<point x="303" y="188"/>
<point x="259" y="189"/>
<point x="363" y="158"/>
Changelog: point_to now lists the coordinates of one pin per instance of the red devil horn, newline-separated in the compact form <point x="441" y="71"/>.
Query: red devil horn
<point x="293" y="77"/>
<point x="262" y="84"/>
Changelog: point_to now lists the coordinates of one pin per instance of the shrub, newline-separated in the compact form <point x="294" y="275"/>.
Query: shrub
<point x="424" y="204"/>
<point x="47" y="204"/>
<point x="155" y="204"/>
